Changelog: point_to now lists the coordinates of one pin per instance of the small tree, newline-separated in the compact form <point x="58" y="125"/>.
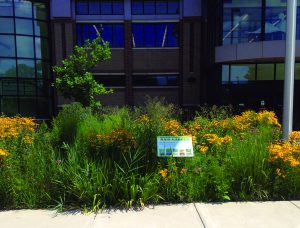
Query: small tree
<point x="74" y="79"/>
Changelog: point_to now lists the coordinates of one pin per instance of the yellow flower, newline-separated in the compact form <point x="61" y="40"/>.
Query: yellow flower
<point x="3" y="152"/>
<point x="203" y="149"/>
<point x="172" y="127"/>
<point x="278" y="172"/>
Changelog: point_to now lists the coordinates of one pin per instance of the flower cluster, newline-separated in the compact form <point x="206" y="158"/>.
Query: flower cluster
<point x="121" y="139"/>
<point x="268" y="118"/>
<point x="3" y="153"/>
<point x="214" y="139"/>
<point x="11" y="127"/>
<point x="144" y="119"/>
<point x="172" y="127"/>
<point x="288" y="152"/>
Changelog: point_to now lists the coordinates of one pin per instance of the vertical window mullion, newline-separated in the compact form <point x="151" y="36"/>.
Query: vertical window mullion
<point x="34" y="54"/>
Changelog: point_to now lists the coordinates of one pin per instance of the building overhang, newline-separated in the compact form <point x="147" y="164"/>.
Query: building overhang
<point x="264" y="51"/>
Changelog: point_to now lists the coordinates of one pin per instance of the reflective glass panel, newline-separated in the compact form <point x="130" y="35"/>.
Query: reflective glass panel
<point x="137" y="30"/>
<point x="25" y="48"/>
<point x="225" y="74"/>
<point x="280" y="71"/>
<point x="6" y="25"/>
<point x="9" y="105"/>
<point x="297" y="71"/>
<point x="149" y="35"/>
<point x="8" y="87"/>
<point x="161" y="7"/>
<point x="161" y="35"/>
<point x="149" y="7"/>
<point x="24" y="26"/>
<point x="173" y="7"/>
<point x="40" y="28"/>
<point x="7" y="46"/>
<point x="28" y="106"/>
<point x="27" y="87"/>
<point x="26" y="68"/>
<point x="94" y="7"/>
<point x="6" y="8"/>
<point x="242" y="21"/>
<point x="275" y="24"/>
<point x="40" y="11"/>
<point x="118" y="7"/>
<point x="107" y="33"/>
<point x="242" y="74"/>
<point x="265" y="72"/>
<point x="106" y="7"/>
<point x="8" y="68"/>
<point x="173" y="35"/>
<point x="82" y="7"/>
<point x="137" y="7"/>
<point x="23" y="8"/>
<point x="41" y="48"/>
<point x="43" y="69"/>
<point x="118" y="31"/>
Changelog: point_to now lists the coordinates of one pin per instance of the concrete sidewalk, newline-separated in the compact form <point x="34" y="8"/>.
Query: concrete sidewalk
<point x="253" y="214"/>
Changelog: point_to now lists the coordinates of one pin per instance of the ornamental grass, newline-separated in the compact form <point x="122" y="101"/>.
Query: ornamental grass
<point x="108" y="159"/>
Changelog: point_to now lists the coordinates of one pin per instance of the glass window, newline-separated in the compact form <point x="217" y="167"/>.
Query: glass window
<point x="118" y="7"/>
<point x="173" y="7"/>
<point x="41" y="48"/>
<point x="242" y="21"/>
<point x="155" y="35"/>
<point x="26" y="68"/>
<point x="40" y="28"/>
<point x="23" y="8"/>
<point x="27" y="87"/>
<point x="149" y="7"/>
<point x="280" y="71"/>
<point x="7" y="46"/>
<point x="155" y="80"/>
<point x="43" y="69"/>
<point x="6" y="8"/>
<point x="43" y="88"/>
<point x="25" y="48"/>
<point x="137" y="35"/>
<point x="82" y="7"/>
<point x="137" y="7"/>
<point x="24" y="26"/>
<point x="106" y="7"/>
<point x="161" y="7"/>
<point x="225" y="74"/>
<point x="265" y="72"/>
<point x="118" y="39"/>
<point x="40" y="11"/>
<point x="112" y="33"/>
<point x="28" y="106"/>
<point x="8" y="87"/>
<point x="8" y="68"/>
<point x="94" y="7"/>
<point x="172" y="35"/>
<point x="107" y="33"/>
<point x="275" y="24"/>
<point x="149" y="35"/>
<point x="111" y="80"/>
<point x="297" y="71"/>
<point x="242" y="74"/>
<point x="9" y="105"/>
<point x="7" y="25"/>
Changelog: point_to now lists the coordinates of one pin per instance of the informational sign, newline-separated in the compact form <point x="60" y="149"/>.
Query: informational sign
<point x="175" y="146"/>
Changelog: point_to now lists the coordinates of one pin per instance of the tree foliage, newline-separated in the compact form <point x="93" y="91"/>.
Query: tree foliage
<point x="74" y="78"/>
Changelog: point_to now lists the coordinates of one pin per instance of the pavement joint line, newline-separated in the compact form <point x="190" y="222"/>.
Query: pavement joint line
<point x="199" y="215"/>
<point x="294" y="205"/>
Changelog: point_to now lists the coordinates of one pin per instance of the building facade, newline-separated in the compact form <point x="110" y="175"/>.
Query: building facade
<point x="189" y="51"/>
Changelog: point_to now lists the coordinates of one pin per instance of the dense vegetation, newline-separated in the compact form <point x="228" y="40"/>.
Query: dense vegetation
<point x="108" y="159"/>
